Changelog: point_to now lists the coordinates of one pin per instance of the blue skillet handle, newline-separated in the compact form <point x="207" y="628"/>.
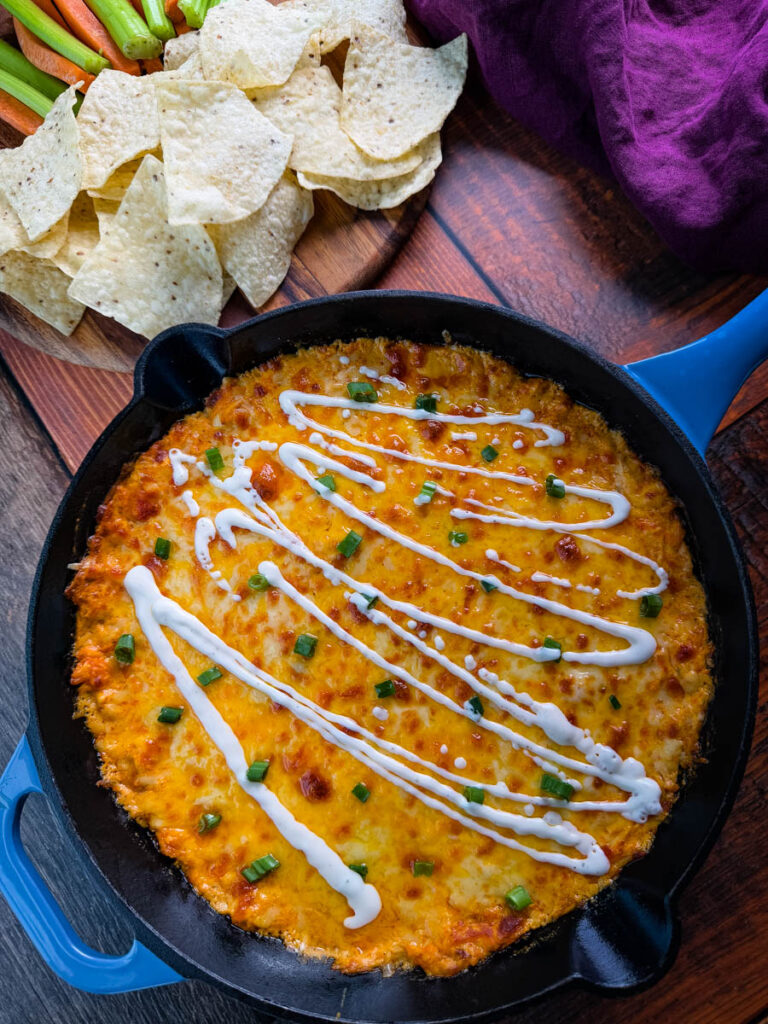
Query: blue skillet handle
<point x="697" y="383"/>
<point x="39" y="914"/>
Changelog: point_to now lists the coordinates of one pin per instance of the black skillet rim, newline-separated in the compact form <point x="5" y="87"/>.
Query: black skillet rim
<point x="145" y="932"/>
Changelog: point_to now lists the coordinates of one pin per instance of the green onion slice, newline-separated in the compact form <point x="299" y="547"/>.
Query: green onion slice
<point x="362" y="391"/>
<point x="385" y="689"/>
<point x="361" y="791"/>
<point x="488" y="586"/>
<point x="650" y="606"/>
<point x="551" y="784"/>
<point x="519" y="898"/>
<point x="163" y="548"/>
<point x="489" y="453"/>
<point x="169" y="716"/>
<point x="350" y="544"/>
<point x="305" y="645"/>
<point x="125" y="649"/>
<point x="258" y="582"/>
<point x="361" y="869"/>
<point x="555" y="488"/>
<point x="257" y="771"/>
<point x="476" y="705"/>
<point x="474" y="795"/>
<point x="457" y="537"/>
<point x="327" y="481"/>
<point x="209" y="676"/>
<point x="553" y="645"/>
<point x="208" y="823"/>
<point x="371" y="601"/>
<point x="215" y="459"/>
<point x="427" y="492"/>
<point x="260" y="867"/>
<point x="426" y="402"/>
<point x="614" y="702"/>
<point x="423" y="867"/>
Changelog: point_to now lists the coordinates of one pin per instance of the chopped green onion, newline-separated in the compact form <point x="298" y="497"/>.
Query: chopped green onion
<point x="208" y="823"/>
<point x="477" y="705"/>
<point x="385" y="689"/>
<point x="327" y="481"/>
<point x="553" y="645"/>
<point x="15" y="63"/>
<point x="209" y="676"/>
<point x="457" y="537"/>
<point x="195" y="11"/>
<point x="362" y="391"/>
<point x="650" y="606"/>
<point x="259" y="582"/>
<point x="215" y="459"/>
<point x="127" y="28"/>
<point x="551" y="784"/>
<point x="361" y="869"/>
<point x="555" y="488"/>
<point x="258" y="868"/>
<point x="163" y="548"/>
<point x="169" y="716"/>
<point x="371" y="601"/>
<point x="159" y="23"/>
<point x="361" y="791"/>
<point x="58" y="38"/>
<point x="426" y="402"/>
<point x="474" y="795"/>
<point x="423" y="867"/>
<point x="519" y="898"/>
<point x="305" y="645"/>
<point x="427" y="492"/>
<point x="350" y="544"/>
<point x="489" y="453"/>
<point x="488" y="586"/>
<point x="614" y="702"/>
<point x="125" y="649"/>
<point x="257" y="771"/>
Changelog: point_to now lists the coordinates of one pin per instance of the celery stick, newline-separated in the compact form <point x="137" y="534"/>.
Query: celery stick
<point x="127" y="28"/>
<point x="195" y="11"/>
<point x="24" y="92"/>
<point x="15" y="63"/>
<point x="159" y="22"/>
<point x="55" y="36"/>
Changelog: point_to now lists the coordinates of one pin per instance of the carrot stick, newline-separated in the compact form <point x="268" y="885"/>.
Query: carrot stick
<point x="87" y="27"/>
<point x="14" y="113"/>
<point x="136" y="4"/>
<point x="48" y="60"/>
<point x="154" y="64"/>
<point x="48" y="8"/>
<point x="173" y="12"/>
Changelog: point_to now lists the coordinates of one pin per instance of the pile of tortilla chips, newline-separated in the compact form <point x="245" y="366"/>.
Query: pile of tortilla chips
<point x="167" y="191"/>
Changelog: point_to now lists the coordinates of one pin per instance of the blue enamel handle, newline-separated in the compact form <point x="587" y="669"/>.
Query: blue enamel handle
<point x="697" y="383"/>
<point x="39" y="914"/>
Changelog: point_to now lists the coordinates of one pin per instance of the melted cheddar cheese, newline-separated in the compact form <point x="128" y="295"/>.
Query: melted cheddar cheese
<point x="422" y="550"/>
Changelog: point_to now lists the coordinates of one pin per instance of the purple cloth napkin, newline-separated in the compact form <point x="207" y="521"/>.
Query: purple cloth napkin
<point x="668" y="96"/>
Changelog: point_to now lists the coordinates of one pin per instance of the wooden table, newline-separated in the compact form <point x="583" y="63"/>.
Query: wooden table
<point x="512" y="222"/>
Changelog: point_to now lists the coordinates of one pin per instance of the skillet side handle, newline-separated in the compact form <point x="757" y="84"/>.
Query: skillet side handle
<point x="181" y="367"/>
<point x="39" y="914"/>
<point x="697" y="383"/>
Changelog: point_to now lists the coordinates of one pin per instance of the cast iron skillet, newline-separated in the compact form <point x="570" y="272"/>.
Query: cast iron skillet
<point x="624" y="938"/>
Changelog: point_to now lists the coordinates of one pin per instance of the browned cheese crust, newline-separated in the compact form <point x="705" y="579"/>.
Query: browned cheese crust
<point x="167" y="776"/>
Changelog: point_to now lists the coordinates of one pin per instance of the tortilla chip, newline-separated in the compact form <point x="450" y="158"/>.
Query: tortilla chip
<point x="145" y="273"/>
<point x="48" y="245"/>
<point x="82" y="235"/>
<point x="395" y="95"/>
<point x="190" y="71"/>
<point x="387" y="16"/>
<point x="117" y="121"/>
<point x="254" y="44"/>
<point x="41" y="287"/>
<point x="106" y="211"/>
<point x="308" y="108"/>
<point x="12" y="233"/>
<point x="382" y="195"/>
<point x="257" y="251"/>
<point x="116" y="185"/>
<point x="42" y="177"/>
<point x="179" y="49"/>
<point x="222" y="157"/>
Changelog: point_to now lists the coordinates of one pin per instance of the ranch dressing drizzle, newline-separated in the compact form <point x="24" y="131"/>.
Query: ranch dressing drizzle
<point x="546" y="716"/>
<point x="153" y="611"/>
<point x="179" y="461"/>
<point x="543" y="577"/>
<point x="363" y="899"/>
<point x="291" y="400"/>
<point x="641" y="643"/>
<point x="620" y="509"/>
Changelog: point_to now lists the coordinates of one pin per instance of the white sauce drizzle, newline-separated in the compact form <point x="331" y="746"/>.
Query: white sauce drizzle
<point x="179" y="461"/>
<point x="469" y="435"/>
<point x="543" y="577"/>
<point x="192" y="507"/>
